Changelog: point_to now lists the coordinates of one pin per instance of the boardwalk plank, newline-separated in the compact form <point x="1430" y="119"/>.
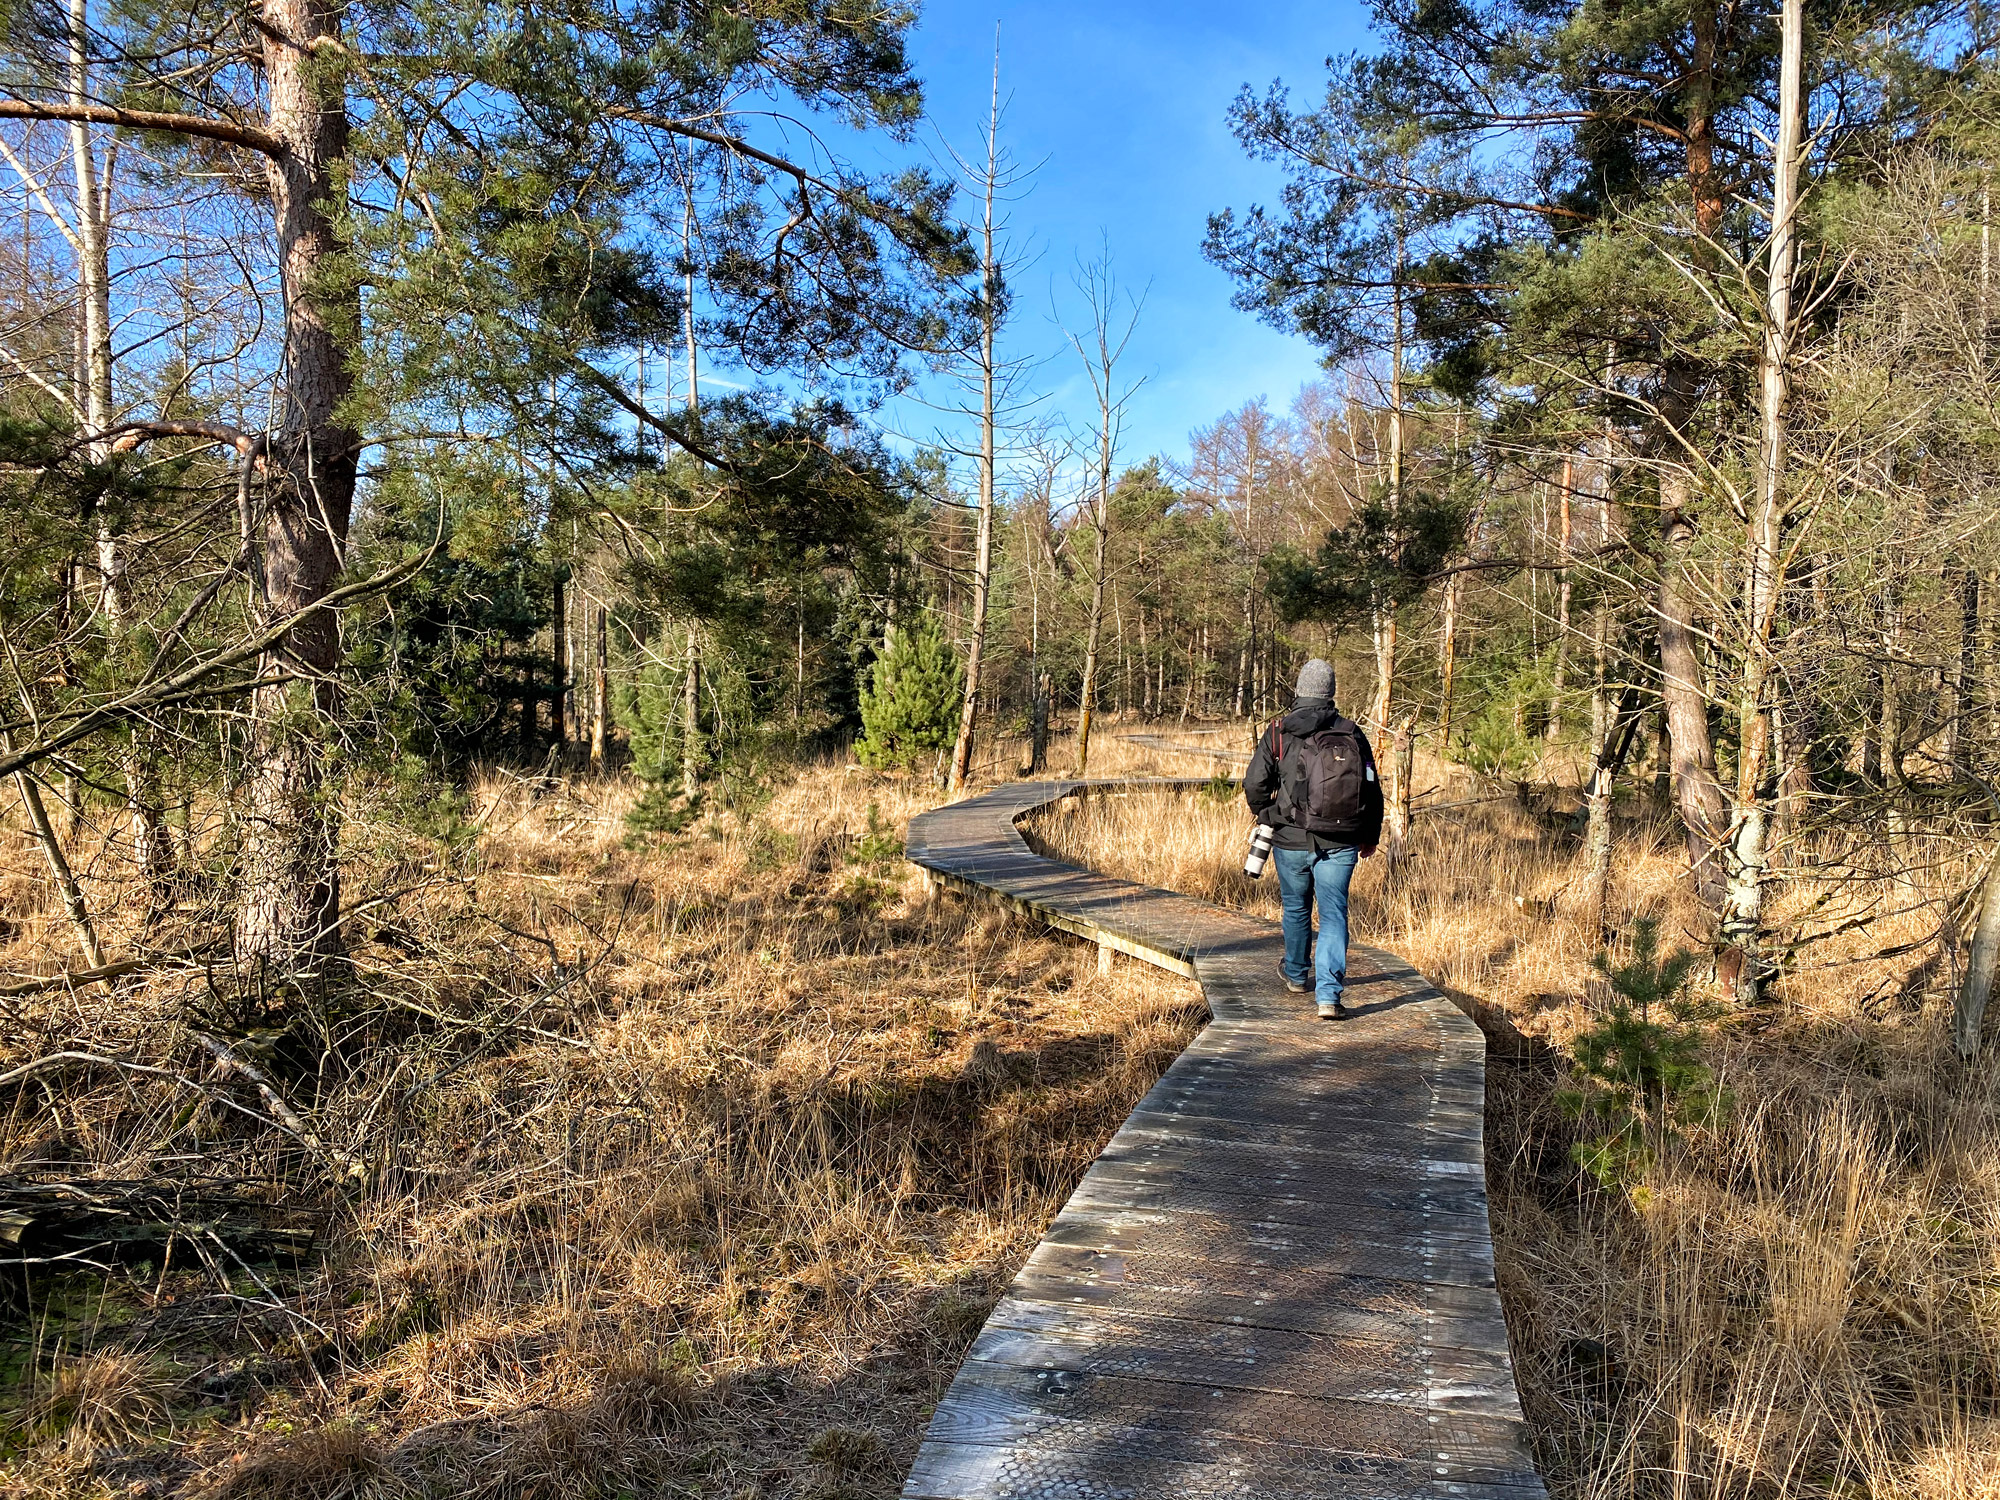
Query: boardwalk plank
<point x="994" y="1405"/>
<point x="1454" y="1259"/>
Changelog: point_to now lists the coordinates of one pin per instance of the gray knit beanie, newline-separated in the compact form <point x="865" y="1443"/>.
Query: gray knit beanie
<point x="1315" y="681"/>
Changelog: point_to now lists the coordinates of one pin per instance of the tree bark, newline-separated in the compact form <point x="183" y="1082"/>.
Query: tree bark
<point x="152" y="846"/>
<point x="1891" y="723"/>
<point x="1987" y="673"/>
<point x="287" y="915"/>
<point x="1396" y="794"/>
<point x="1662" y="791"/>
<point x="59" y="871"/>
<point x="1401" y="767"/>
<point x="1691" y="766"/>
<point x="1871" y="742"/>
<point x="1124" y="662"/>
<point x="1970" y="1010"/>
<point x="1448" y="660"/>
<point x="1038" y="725"/>
<point x="559" y="655"/>
<point x="691" y="746"/>
<point x="1598" y="793"/>
<point x="1746" y="852"/>
<point x="1691" y="759"/>
<point x="1383" y="634"/>
<point x="982" y="566"/>
<point x="1094" y="637"/>
<point x="1698" y="130"/>
<point x="1187" y="689"/>
<point x="1241" y="702"/>
<point x="1558" y="677"/>
<point x="1101" y="361"/>
<point x="1145" y="669"/>
<point x="600" y="691"/>
<point x="1963" y="676"/>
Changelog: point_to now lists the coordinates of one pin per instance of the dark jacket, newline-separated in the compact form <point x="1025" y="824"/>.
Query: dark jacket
<point x="1260" y="782"/>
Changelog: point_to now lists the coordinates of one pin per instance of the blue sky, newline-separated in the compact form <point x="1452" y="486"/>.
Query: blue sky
<point x="1123" y="102"/>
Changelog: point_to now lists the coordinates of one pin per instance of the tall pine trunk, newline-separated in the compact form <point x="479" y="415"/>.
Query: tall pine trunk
<point x="1145" y="669"/>
<point x="691" y="747"/>
<point x="1597" y="838"/>
<point x="290" y="896"/>
<point x="559" y="654"/>
<point x="1696" y="788"/>
<point x="1558" y="678"/>
<point x="1689" y="760"/>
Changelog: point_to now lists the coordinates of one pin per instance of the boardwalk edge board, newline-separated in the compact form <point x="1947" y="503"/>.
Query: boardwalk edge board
<point x="1276" y="1282"/>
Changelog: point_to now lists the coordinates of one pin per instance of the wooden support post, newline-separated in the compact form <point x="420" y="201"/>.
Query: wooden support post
<point x="1104" y="952"/>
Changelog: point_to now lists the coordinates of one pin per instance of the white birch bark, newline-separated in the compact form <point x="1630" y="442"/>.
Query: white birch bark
<point x="1746" y="853"/>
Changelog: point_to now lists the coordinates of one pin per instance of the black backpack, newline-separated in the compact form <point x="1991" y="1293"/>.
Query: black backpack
<point x="1322" y="778"/>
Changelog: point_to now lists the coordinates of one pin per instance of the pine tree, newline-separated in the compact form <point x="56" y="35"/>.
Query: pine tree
<point x="910" y="706"/>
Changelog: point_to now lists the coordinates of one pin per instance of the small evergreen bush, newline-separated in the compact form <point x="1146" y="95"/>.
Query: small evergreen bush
<point x="648" y="706"/>
<point x="660" y="811"/>
<point x="1639" y="1071"/>
<point x="879" y="847"/>
<point x="909" y="707"/>
<point x="1222" y="787"/>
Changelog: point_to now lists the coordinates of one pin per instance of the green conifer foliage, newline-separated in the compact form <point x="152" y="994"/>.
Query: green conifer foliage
<point x="1638" y="1070"/>
<point x="909" y="708"/>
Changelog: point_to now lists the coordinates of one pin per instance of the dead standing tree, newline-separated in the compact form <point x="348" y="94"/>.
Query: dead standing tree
<point x="1101" y="348"/>
<point x="995" y="380"/>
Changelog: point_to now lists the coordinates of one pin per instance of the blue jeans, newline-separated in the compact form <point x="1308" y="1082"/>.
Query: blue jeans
<point x="1302" y="877"/>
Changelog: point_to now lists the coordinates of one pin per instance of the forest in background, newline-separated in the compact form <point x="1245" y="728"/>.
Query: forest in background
<point x="399" y="606"/>
<point x="356" y="427"/>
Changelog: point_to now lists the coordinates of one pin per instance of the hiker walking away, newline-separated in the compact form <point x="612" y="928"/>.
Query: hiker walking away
<point x="1312" y="779"/>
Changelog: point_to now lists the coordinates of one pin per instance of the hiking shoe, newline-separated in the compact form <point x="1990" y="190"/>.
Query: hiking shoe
<point x="1333" y="1010"/>
<point x="1290" y="983"/>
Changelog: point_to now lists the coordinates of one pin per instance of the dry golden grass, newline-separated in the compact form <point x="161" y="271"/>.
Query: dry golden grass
<point x="1130" y="749"/>
<point x="1803" y="1300"/>
<point x="689" y="1167"/>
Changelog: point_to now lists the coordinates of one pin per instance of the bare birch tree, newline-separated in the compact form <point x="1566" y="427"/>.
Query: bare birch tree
<point x="1101" y="347"/>
<point x="997" y="383"/>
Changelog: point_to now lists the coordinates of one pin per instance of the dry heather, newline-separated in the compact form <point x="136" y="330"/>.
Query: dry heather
<point x="1804" y="1299"/>
<point x="688" y="1167"/>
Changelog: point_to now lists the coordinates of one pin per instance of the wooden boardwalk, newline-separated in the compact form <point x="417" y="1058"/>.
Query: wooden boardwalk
<point x="1172" y="744"/>
<point x="1277" y="1280"/>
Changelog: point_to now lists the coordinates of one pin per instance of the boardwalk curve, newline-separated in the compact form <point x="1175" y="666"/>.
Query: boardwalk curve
<point x="1277" y="1279"/>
